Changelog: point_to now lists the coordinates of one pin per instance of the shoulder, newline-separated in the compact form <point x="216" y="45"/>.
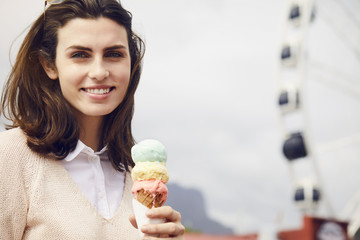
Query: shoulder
<point x="13" y="136"/>
<point x="18" y="163"/>
<point x="19" y="169"/>
<point x="14" y="148"/>
<point x="13" y="204"/>
<point x="13" y="143"/>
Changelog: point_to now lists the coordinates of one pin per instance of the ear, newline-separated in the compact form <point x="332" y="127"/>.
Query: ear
<point x="49" y="68"/>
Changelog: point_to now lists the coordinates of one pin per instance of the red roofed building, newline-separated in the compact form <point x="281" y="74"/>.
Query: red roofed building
<point x="313" y="228"/>
<point x="194" y="236"/>
<point x="317" y="229"/>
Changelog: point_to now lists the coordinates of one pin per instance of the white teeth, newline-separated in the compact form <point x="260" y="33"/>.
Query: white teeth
<point x="97" y="90"/>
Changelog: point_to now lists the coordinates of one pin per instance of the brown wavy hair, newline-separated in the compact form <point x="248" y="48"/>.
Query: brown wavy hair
<point x="34" y="102"/>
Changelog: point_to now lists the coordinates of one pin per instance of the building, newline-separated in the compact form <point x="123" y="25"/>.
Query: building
<point x="194" y="236"/>
<point x="317" y="229"/>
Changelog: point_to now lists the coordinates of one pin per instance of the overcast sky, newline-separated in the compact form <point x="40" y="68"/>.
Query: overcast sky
<point x="209" y="92"/>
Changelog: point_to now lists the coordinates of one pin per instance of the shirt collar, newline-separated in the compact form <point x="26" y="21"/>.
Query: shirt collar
<point x="82" y="148"/>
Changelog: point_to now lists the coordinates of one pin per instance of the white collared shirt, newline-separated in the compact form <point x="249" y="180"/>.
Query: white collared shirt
<point x="96" y="177"/>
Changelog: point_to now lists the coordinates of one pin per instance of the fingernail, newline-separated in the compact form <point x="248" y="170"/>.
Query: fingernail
<point x="144" y="228"/>
<point x="149" y="213"/>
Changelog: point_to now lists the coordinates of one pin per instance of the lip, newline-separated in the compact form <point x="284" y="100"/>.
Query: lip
<point x="98" y="92"/>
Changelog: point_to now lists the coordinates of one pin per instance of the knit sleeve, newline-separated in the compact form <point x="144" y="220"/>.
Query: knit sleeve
<point x="13" y="191"/>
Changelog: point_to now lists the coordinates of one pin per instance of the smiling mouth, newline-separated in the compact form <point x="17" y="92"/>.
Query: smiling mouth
<point x="98" y="90"/>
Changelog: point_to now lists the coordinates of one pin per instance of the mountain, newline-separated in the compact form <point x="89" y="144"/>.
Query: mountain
<point x="191" y="204"/>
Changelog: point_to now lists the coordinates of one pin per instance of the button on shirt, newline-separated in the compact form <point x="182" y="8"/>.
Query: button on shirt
<point x="96" y="177"/>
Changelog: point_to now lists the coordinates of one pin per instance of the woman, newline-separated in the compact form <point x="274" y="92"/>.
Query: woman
<point x="70" y="96"/>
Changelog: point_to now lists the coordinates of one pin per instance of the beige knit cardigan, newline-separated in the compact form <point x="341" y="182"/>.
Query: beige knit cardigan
<point x="39" y="200"/>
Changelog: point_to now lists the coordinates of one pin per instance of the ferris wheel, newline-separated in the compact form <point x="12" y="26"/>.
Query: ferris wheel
<point x="299" y="147"/>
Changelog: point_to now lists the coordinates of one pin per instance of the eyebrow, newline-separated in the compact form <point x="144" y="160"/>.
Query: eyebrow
<point x="79" y="47"/>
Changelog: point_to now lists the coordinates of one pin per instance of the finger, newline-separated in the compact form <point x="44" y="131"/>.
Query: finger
<point x="133" y="220"/>
<point x="164" y="212"/>
<point x="166" y="229"/>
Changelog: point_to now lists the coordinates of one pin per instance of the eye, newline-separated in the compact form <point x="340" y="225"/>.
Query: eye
<point x="114" y="54"/>
<point x="79" y="54"/>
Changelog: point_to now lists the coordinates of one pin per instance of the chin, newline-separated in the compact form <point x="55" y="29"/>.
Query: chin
<point x="99" y="113"/>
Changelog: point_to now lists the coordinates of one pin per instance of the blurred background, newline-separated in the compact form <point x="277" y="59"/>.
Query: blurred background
<point x="210" y="92"/>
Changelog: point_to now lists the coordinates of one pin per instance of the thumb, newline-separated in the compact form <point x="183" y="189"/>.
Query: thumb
<point x="133" y="220"/>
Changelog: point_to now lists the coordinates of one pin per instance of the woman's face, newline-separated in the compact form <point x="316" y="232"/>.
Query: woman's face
<point x="93" y="65"/>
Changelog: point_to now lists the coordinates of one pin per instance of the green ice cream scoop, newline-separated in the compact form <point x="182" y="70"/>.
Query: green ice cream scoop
<point x="149" y="150"/>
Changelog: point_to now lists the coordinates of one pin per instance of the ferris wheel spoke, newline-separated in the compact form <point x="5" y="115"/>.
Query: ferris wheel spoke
<point x="342" y="35"/>
<point x="337" y="143"/>
<point x="343" y="86"/>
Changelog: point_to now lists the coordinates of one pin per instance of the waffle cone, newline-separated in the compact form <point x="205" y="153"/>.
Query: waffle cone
<point x="141" y="218"/>
<point x="149" y="200"/>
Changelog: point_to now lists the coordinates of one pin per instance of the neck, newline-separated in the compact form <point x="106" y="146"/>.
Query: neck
<point x="90" y="131"/>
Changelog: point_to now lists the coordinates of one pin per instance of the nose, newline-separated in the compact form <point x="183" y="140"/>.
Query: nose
<point x="98" y="70"/>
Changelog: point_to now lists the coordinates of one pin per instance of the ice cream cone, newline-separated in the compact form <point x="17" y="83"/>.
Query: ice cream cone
<point x="141" y="218"/>
<point x="147" y="199"/>
<point x="150" y="177"/>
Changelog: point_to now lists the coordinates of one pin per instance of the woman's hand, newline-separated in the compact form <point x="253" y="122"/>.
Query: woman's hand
<point x="171" y="229"/>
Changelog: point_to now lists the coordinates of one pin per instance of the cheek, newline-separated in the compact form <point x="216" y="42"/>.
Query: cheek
<point x="69" y="85"/>
<point x="124" y="86"/>
<point x="124" y="78"/>
<point x="71" y="76"/>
